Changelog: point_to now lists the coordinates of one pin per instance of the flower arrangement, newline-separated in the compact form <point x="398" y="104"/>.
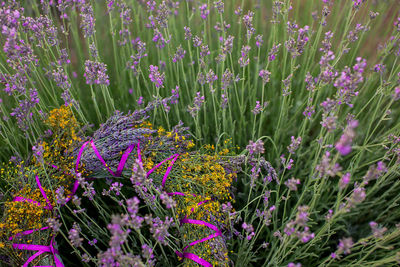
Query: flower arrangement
<point x="199" y="133"/>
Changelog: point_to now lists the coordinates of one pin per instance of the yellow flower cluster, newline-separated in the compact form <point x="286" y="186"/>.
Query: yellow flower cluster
<point x="205" y="172"/>
<point x="24" y="215"/>
<point x="202" y="179"/>
<point x="65" y="138"/>
<point x="20" y="216"/>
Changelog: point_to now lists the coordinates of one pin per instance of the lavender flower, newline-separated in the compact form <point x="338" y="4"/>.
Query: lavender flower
<point x="286" y="165"/>
<point x="295" y="143"/>
<point x="38" y="152"/>
<point x="204" y="11"/>
<point x="326" y="58"/>
<point x="379" y="68"/>
<point x="310" y="82"/>
<point x="272" y="53"/>
<point x="344" y="144"/>
<point x="114" y="256"/>
<point x="248" y="22"/>
<point x="74" y="237"/>
<point x="227" y="79"/>
<point x="296" y="47"/>
<point x="133" y="205"/>
<point x="180" y="53"/>
<point x="61" y="78"/>
<point x="87" y="20"/>
<point x="249" y="230"/>
<point x="276" y="11"/>
<point x="255" y="147"/>
<point x="197" y="103"/>
<point x="116" y="187"/>
<point x="329" y="105"/>
<point x="396" y="95"/>
<point x="125" y="13"/>
<point x="264" y="74"/>
<point x="352" y="36"/>
<point x="286" y="85"/>
<point x="244" y="59"/>
<point x="397" y="23"/>
<point x="357" y="196"/>
<point x="159" y="39"/>
<point x="326" y="43"/>
<point x="377" y="231"/>
<point x="309" y="111"/>
<point x="259" y="40"/>
<point x="95" y="73"/>
<point x="210" y="78"/>
<point x="219" y="5"/>
<point x="238" y="10"/>
<point x="222" y="27"/>
<point x="60" y="196"/>
<point x="302" y="218"/>
<point x="64" y="59"/>
<point x="374" y="172"/>
<point x="325" y="167"/>
<point x="168" y="201"/>
<point x="188" y="33"/>
<point x="156" y="77"/>
<point x="92" y="242"/>
<point x="138" y="174"/>
<point x="344" y="181"/>
<point x="224" y="101"/>
<point x="228" y="45"/>
<point x="329" y="122"/>
<point x="89" y="190"/>
<point x="204" y="51"/>
<point x="345" y="245"/>
<point x="76" y="200"/>
<point x="139" y="102"/>
<point x="23" y="112"/>
<point x="175" y="95"/>
<point x="305" y="235"/>
<point x="54" y="224"/>
<point x="357" y="3"/>
<point x="147" y="253"/>
<point x="197" y="41"/>
<point x="68" y="100"/>
<point x="135" y="59"/>
<point x="259" y="108"/>
<point x="159" y="229"/>
<point x="292" y="183"/>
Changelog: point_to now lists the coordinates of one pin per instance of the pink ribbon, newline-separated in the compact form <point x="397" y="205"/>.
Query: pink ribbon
<point x="40" y="250"/>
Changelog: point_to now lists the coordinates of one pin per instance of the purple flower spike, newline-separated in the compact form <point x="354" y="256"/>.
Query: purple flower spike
<point x="156" y="77"/>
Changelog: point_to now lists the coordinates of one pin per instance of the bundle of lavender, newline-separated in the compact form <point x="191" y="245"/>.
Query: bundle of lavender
<point x="192" y="185"/>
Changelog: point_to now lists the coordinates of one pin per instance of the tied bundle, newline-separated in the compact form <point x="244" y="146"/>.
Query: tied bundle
<point x="160" y="163"/>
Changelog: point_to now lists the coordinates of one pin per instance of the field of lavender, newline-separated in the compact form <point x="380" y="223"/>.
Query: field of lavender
<point x="199" y="133"/>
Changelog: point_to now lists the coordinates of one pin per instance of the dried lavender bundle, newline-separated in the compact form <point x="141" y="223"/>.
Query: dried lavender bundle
<point x="119" y="132"/>
<point x="195" y="184"/>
